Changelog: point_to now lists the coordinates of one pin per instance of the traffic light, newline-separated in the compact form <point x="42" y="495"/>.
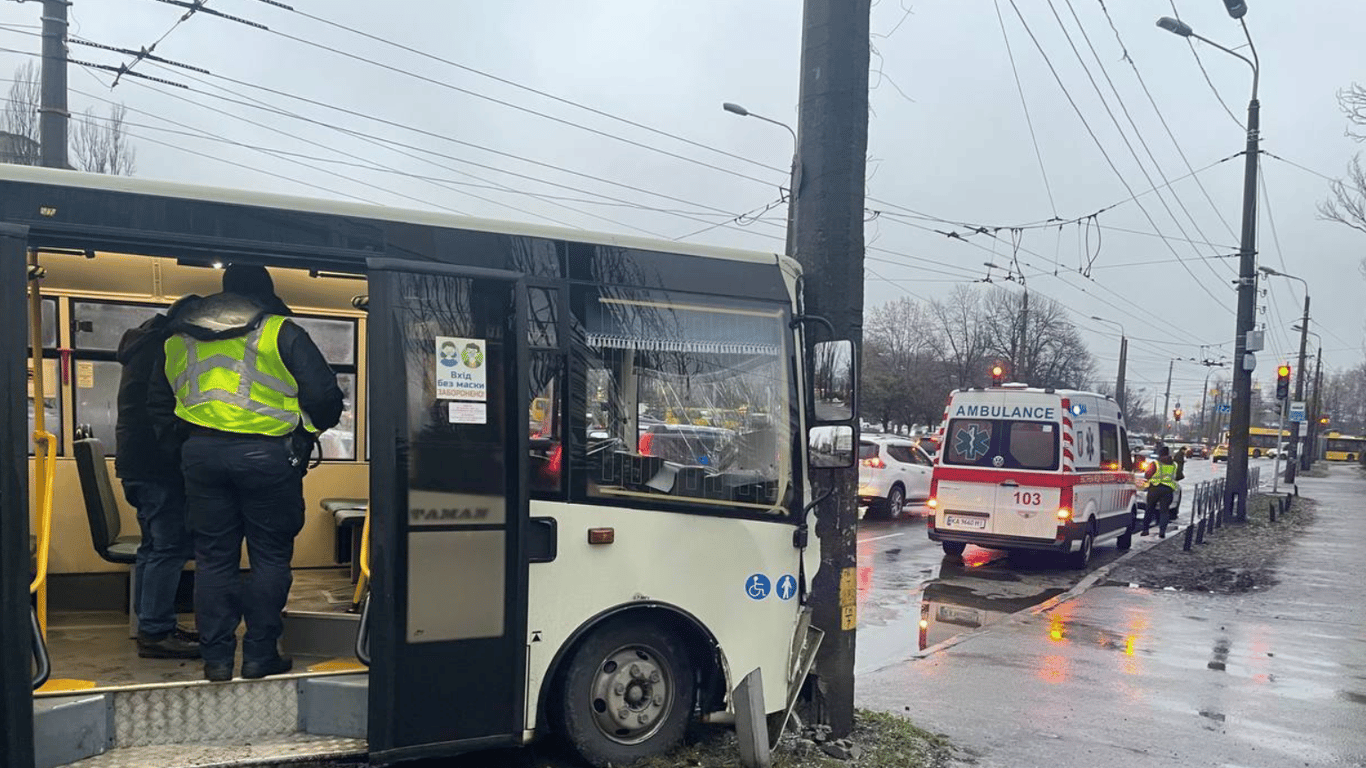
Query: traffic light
<point x="998" y="373"/>
<point x="1236" y="8"/>
<point x="1282" y="382"/>
<point x="1176" y="413"/>
<point x="1323" y="420"/>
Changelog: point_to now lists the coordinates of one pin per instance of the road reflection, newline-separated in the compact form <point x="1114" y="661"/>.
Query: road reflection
<point x="979" y="589"/>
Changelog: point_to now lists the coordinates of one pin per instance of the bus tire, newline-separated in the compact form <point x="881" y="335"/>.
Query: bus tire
<point x="627" y="693"/>
<point x="1082" y="557"/>
<point x="954" y="548"/>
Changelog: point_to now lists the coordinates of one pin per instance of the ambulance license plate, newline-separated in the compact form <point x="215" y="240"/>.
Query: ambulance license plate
<point x="965" y="521"/>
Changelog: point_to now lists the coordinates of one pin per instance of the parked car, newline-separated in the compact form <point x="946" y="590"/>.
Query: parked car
<point x="1197" y="451"/>
<point x="892" y="470"/>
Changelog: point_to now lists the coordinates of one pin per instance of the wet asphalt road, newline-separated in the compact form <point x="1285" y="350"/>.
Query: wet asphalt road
<point x="904" y="578"/>
<point x="1133" y="678"/>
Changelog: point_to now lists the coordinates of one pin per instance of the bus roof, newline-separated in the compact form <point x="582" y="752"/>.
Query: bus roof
<point x="176" y="190"/>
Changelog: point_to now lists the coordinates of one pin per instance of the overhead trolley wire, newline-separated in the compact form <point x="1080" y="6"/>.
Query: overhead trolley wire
<point x="1103" y="152"/>
<point x="1118" y="127"/>
<point x="1043" y="171"/>
<point x="538" y="92"/>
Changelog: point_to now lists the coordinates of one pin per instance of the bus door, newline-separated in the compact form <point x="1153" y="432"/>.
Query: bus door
<point x="448" y="414"/>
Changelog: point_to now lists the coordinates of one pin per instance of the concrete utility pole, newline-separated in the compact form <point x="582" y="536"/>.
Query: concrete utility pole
<point x="1167" y="396"/>
<point x="1310" y="452"/>
<point x="1299" y="394"/>
<point x="1235" y="488"/>
<point x="52" y="113"/>
<point x="832" y="133"/>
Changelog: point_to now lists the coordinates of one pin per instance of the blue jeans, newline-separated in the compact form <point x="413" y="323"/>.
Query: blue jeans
<point x="241" y="487"/>
<point x="161" y="557"/>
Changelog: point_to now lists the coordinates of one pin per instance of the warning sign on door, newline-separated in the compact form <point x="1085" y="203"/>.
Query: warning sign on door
<point x="460" y="365"/>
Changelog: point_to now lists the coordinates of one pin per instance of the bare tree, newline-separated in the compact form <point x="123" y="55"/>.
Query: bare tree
<point x="1347" y="201"/>
<point x="904" y="380"/>
<point x="965" y="347"/>
<point x="1048" y="353"/>
<point x="20" y="118"/>
<point x="101" y="143"/>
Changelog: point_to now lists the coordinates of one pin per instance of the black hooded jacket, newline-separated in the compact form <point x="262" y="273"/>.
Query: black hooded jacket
<point x="228" y="315"/>
<point x="142" y="352"/>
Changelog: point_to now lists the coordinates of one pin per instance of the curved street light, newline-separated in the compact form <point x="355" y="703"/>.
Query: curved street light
<point x="795" y="177"/>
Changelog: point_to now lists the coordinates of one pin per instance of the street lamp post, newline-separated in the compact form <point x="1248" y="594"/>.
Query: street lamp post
<point x="795" y="176"/>
<point x="1311" y="428"/>
<point x="1211" y="365"/>
<point x="1235" y="489"/>
<point x="1299" y="375"/>
<point x="1123" y="356"/>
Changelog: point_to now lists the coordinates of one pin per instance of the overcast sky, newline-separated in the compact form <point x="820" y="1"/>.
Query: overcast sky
<point x="948" y="137"/>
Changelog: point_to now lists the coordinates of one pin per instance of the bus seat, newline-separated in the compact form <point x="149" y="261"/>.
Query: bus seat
<point x="101" y="506"/>
<point x="102" y="509"/>
<point x="349" y="516"/>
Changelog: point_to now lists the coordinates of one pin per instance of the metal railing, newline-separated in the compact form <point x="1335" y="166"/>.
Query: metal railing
<point x="1207" y="509"/>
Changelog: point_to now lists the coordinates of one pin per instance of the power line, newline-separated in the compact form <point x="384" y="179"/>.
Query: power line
<point x="543" y="94"/>
<point x="1138" y="133"/>
<point x="442" y="137"/>
<point x="492" y="99"/>
<point x="1163" y="119"/>
<point x="1025" y="105"/>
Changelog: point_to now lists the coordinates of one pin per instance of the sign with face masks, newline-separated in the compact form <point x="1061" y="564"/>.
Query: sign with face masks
<point x="460" y="369"/>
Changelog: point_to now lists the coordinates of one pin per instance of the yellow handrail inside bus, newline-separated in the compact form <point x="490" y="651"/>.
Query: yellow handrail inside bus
<point x="364" y="580"/>
<point x="44" y="444"/>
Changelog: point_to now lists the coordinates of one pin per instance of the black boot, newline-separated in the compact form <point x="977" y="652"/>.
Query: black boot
<point x="167" y="646"/>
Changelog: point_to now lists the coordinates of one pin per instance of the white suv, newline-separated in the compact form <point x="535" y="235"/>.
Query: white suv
<point x="892" y="470"/>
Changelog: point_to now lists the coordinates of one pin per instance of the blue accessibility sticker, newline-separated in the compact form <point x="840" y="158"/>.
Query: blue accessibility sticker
<point x="757" y="586"/>
<point x="787" y="586"/>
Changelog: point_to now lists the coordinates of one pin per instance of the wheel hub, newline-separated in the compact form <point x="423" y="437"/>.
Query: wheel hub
<point x="631" y="695"/>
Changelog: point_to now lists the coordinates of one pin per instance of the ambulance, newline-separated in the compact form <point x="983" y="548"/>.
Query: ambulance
<point x="1027" y="468"/>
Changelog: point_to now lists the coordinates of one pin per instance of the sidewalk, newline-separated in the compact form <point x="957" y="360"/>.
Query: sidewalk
<point x="1132" y="677"/>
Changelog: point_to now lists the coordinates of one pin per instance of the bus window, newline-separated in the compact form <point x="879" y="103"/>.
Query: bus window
<point x="336" y="339"/>
<point x="542" y="319"/>
<point x="99" y="326"/>
<point x="52" y="401"/>
<point x="339" y="442"/>
<point x="97" y="398"/>
<point x="543" y="425"/>
<point x="647" y="358"/>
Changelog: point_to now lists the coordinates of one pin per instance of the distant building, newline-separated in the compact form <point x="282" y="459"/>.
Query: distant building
<point x="18" y="150"/>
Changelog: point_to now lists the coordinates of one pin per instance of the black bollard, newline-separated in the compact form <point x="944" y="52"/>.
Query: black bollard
<point x="1273" y="511"/>
<point x="1186" y="546"/>
<point x="1297" y="489"/>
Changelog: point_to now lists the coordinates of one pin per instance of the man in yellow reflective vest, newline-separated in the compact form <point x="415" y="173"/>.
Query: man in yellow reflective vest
<point x="1162" y="475"/>
<point x="246" y="391"/>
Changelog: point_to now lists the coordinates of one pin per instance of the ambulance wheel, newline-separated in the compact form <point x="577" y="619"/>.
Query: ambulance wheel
<point x="627" y="694"/>
<point x="1082" y="556"/>
<point x="954" y="548"/>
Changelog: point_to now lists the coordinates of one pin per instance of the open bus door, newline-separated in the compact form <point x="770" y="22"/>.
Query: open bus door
<point x="16" y="656"/>
<point x="448" y="415"/>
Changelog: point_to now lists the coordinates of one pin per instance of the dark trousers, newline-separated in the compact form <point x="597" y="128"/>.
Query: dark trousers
<point x="236" y="487"/>
<point x="1159" y="501"/>
<point x="162" y="554"/>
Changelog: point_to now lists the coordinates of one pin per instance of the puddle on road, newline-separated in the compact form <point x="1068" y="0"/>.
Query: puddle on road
<point x="951" y="608"/>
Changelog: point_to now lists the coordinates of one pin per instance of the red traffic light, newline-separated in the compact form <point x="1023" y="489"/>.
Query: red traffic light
<point x="1177" y="414"/>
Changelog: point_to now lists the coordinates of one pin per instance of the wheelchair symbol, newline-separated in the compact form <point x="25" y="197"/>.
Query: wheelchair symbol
<point x="757" y="586"/>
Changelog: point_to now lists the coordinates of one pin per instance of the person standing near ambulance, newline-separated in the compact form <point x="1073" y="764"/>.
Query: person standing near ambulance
<point x="248" y="392"/>
<point x="1162" y="476"/>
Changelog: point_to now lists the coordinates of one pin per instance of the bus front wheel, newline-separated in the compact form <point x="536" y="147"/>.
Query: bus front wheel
<point x="627" y="694"/>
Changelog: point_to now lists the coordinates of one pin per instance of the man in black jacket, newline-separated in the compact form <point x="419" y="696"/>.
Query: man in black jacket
<point x="241" y="385"/>
<point x="153" y="485"/>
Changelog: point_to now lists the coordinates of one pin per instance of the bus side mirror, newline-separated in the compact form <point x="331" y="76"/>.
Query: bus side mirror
<point x="833" y="381"/>
<point x="831" y="447"/>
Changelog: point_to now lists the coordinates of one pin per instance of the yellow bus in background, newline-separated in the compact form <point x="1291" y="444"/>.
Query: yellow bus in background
<point x="1262" y="441"/>
<point x="1340" y="447"/>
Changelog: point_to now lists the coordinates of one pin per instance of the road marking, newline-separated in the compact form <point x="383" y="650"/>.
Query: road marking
<point x="878" y="538"/>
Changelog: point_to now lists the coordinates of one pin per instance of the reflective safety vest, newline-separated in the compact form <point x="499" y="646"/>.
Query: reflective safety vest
<point x="1165" y="475"/>
<point x="236" y="385"/>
